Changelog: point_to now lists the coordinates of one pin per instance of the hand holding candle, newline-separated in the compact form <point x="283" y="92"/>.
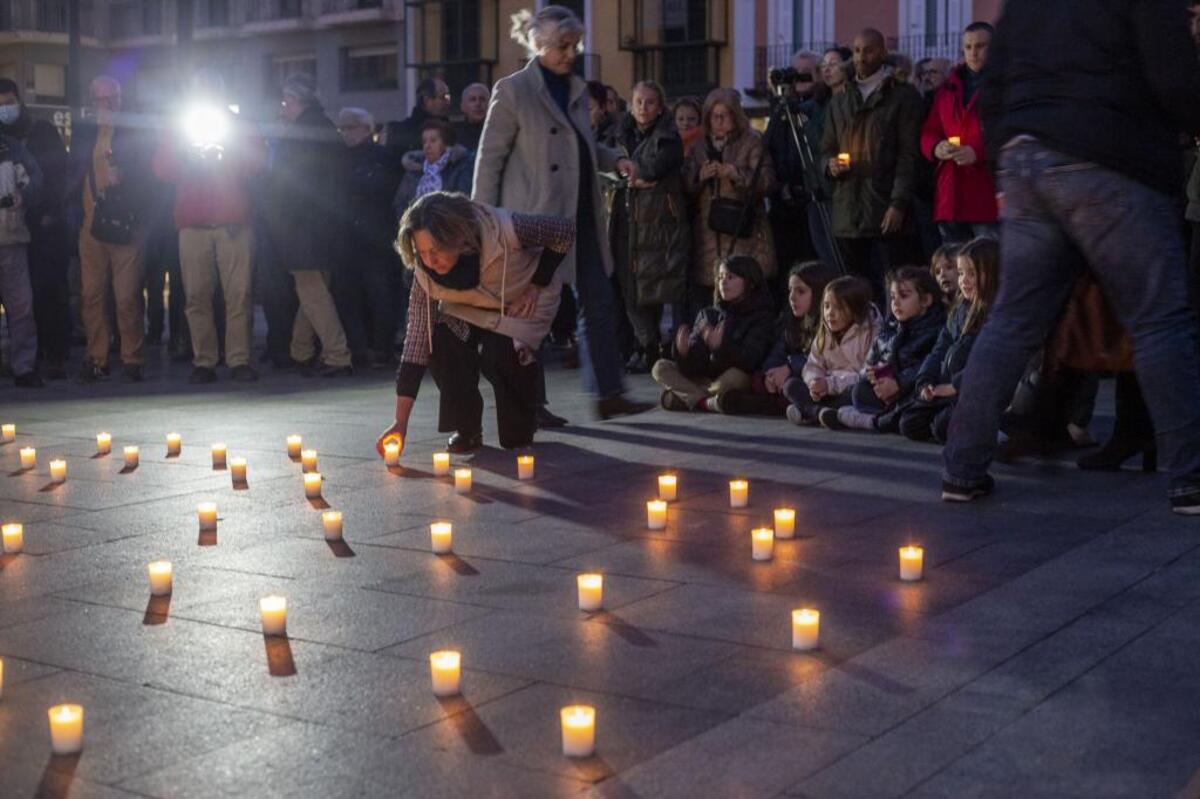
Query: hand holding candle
<point x="955" y="141"/>
<point x="391" y="453"/>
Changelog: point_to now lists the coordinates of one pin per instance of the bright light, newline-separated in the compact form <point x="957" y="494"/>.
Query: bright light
<point x="205" y="125"/>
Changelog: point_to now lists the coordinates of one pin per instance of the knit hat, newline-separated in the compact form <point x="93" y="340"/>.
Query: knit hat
<point x="302" y="86"/>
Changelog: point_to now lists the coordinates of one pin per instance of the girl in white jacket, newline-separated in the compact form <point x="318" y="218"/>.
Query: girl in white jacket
<point x="849" y="323"/>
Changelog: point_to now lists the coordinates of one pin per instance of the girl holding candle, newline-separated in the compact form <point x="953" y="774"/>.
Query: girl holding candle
<point x="849" y="323"/>
<point x="729" y="341"/>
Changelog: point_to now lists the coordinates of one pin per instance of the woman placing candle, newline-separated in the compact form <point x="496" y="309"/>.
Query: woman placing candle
<point x="483" y="298"/>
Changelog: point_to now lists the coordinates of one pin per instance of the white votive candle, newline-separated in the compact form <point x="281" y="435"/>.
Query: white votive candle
<point x="912" y="563"/>
<point x="219" y="452"/>
<point x="308" y="461"/>
<point x="332" y="519"/>
<point x="312" y="485"/>
<point x="462" y="481"/>
<point x="103" y="443"/>
<point x="8" y="432"/>
<point x="785" y="523"/>
<point x="525" y="467"/>
<point x="161" y="573"/>
<point x="806" y="629"/>
<point x="668" y="487"/>
<point x="444" y="669"/>
<point x="58" y="471"/>
<point x="28" y="458"/>
<point x="656" y="514"/>
<point x="206" y="512"/>
<point x="294" y="443"/>
<point x="591" y="591"/>
<point x="441" y="538"/>
<point x="237" y="470"/>
<point x="762" y="543"/>
<point x="66" y="729"/>
<point x="273" y="611"/>
<point x="14" y="538"/>
<point x="739" y="493"/>
<point x="391" y="453"/>
<point x="955" y="141"/>
<point x="578" y="730"/>
<point x="131" y="457"/>
<point x="441" y="464"/>
<point x="174" y="444"/>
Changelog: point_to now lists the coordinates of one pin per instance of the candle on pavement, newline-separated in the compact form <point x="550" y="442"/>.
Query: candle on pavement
<point x="174" y="444"/>
<point x="912" y="563"/>
<point x="578" y="730"/>
<point x="237" y="470"/>
<point x="762" y="543"/>
<point x="58" y="471"/>
<point x="8" y="432"/>
<point x="294" y="443"/>
<point x="131" y="457"/>
<point x="14" y="538"/>
<point x="441" y="538"/>
<point x="66" y="729"/>
<point x="785" y="523"/>
<point x="444" y="668"/>
<point x="591" y="591"/>
<point x="806" y="629"/>
<point x="462" y="481"/>
<point x="273" y="611"/>
<point x="656" y="514"/>
<point x="28" y="458"/>
<point x="332" y="519"/>
<point x="103" y="443"/>
<point x="524" y="467"/>
<point x="207" y="513"/>
<point x="668" y="486"/>
<point x="308" y="461"/>
<point x="312" y="485"/>
<point x="739" y="493"/>
<point x="441" y="464"/>
<point x="161" y="573"/>
<point x="391" y="453"/>
<point x="219" y="451"/>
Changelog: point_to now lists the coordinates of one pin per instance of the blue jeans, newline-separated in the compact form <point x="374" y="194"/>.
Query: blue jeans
<point x="962" y="232"/>
<point x="1129" y="236"/>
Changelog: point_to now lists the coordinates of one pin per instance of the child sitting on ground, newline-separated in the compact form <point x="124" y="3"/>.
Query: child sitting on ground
<point x="944" y="266"/>
<point x="729" y="340"/>
<point x="795" y="329"/>
<point x="848" y="325"/>
<point x="939" y="380"/>
<point x="889" y="378"/>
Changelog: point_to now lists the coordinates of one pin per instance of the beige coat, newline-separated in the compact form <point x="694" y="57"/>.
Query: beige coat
<point x="528" y="159"/>
<point x="709" y="246"/>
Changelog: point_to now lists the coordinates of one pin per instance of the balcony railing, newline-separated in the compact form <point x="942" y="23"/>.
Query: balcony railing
<point x="52" y="16"/>
<point x="273" y="10"/>
<point x="347" y="6"/>
<point x="931" y="45"/>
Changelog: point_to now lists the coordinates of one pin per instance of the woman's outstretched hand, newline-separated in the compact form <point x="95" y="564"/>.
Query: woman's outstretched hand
<point x="397" y="433"/>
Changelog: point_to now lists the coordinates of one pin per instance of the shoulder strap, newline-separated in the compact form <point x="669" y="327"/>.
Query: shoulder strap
<point x="748" y="205"/>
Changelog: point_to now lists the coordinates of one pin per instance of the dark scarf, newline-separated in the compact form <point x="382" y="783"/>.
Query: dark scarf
<point x="559" y="87"/>
<point x="462" y="277"/>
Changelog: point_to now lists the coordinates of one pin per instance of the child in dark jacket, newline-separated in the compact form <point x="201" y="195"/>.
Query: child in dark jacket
<point x="794" y="332"/>
<point x="889" y="378"/>
<point x="728" y="343"/>
<point x="938" y="382"/>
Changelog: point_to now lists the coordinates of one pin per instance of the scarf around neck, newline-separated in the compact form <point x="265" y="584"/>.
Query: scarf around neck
<point x="431" y="175"/>
<point x="867" y="86"/>
<point x="462" y="277"/>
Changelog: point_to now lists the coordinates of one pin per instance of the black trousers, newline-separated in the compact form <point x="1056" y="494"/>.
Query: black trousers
<point x="365" y="292"/>
<point x="871" y="258"/>
<point x="456" y="366"/>
<point x="274" y="284"/>
<point x="49" y="263"/>
<point x="922" y="420"/>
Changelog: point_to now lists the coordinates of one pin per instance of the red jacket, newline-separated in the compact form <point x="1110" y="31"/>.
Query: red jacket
<point x="215" y="195"/>
<point x="963" y="193"/>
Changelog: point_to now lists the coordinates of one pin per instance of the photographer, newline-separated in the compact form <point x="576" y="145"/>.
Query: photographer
<point x="20" y="181"/>
<point x="211" y="160"/>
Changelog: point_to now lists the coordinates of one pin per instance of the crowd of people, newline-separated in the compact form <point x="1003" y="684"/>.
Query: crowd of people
<point x="845" y="267"/>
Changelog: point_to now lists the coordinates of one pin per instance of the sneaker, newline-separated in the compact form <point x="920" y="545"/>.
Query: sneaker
<point x="956" y="493"/>
<point x="29" y="380"/>
<point x="855" y="419"/>
<point x="828" y="417"/>
<point x="1186" y="505"/>
<point x="243" y="374"/>
<point x="201" y="375"/>
<point x="714" y="404"/>
<point x="796" y="416"/>
<point x="672" y="401"/>
<point x="90" y="372"/>
<point x="131" y="373"/>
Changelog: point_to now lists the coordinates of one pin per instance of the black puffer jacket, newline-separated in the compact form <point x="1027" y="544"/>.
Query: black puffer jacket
<point x="948" y="359"/>
<point x="1110" y="81"/>
<point x="905" y="345"/>
<point x="749" y="334"/>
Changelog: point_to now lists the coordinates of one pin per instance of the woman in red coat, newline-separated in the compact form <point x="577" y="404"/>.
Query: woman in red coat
<point x="965" y="196"/>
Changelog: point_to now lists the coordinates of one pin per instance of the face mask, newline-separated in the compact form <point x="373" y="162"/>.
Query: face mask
<point x="9" y="114"/>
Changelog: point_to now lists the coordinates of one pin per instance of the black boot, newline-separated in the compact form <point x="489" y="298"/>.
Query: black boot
<point x="1133" y="432"/>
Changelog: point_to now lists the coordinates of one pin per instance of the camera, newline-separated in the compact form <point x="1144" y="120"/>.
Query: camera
<point x="205" y="128"/>
<point x="782" y="78"/>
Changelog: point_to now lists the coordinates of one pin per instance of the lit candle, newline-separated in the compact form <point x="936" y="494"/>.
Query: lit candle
<point x="462" y="481"/>
<point x="668" y="485"/>
<point x="762" y="543"/>
<point x="308" y="461"/>
<point x="8" y="432"/>
<point x="441" y="464"/>
<point x="294" y="443"/>
<point x="739" y="493"/>
<point x="174" y="445"/>
<point x="207" y="513"/>
<point x="843" y="159"/>
<point x="66" y="729"/>
<point x="806" y="629"/>
<point x="656" y="515"/>
<point x="312" y="485"/>
<point x="218" y="456"/>
<point x="131" y="457"/>
<point x="524" y="467"/>
<point x="332" y="519"/>
<point x="28" y="458"/>
<point x="14" y="538"/>
<point x="58" y="471"/>
<point x="785" y="523"/>
<point x="441" y="538"/>
<point x="103" y="443"/>
<point x="912" y="563"/>
<point x="237" y="470"/>
<point x="273" y="610"/>
<point x="160" y="577"/>
<point x="391" y="453"/>
<point x="591" y="591"/>
<point x="578" y="730"/>
<point x="444" y="669"/>
<point x="955" y="141"/>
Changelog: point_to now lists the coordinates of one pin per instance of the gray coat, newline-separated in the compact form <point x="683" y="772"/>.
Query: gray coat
<point x="528" y="159"/>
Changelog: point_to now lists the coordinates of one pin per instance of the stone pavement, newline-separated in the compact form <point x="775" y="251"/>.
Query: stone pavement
<point x="1051" y="651"/>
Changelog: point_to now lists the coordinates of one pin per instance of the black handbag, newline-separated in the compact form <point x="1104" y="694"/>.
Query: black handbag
<point x="736" y="218"/>
<point x="113" y="218"/>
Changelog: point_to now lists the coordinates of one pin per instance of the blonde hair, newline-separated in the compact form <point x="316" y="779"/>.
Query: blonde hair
<point x="854" y="296"/>
<point x="545" y="29"/>
<point x="449" y="217"/>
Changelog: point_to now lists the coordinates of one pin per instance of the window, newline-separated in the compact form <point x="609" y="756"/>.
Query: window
<point x="50" y="83"/>
<point x="675" y="42"/>
<point x="151" y="17"/>
<point x="52" y="16"/>
<point x="289" y="8"/>
<point x="282" y="67"/>
<point x="370" y="68"/>
<point x="932" y="28"/>
<point x="217" y="16"/>
<point x="812" y="25"/>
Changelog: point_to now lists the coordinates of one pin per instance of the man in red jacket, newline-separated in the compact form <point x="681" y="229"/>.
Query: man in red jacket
<point x="211" y="161"/>
<point x="965" y="197"/>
